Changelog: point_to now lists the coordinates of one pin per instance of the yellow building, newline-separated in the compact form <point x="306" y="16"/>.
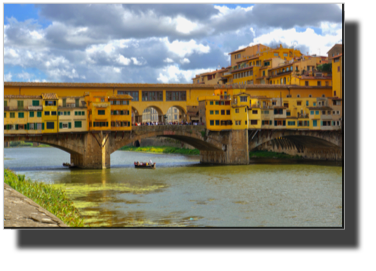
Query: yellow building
<point x="337" y="75"/>
<point x="121" y="112"/>
<point x="23" y="114"/>
<point x="99" y="111"/>
<point x="72" y="114"/>
<point x="49" y="115"/>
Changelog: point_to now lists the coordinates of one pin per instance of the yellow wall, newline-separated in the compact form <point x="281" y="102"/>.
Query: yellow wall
<point x="337" y="77"/>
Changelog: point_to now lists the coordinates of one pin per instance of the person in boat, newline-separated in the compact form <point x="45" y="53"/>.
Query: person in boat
<point x="150" y="162"/>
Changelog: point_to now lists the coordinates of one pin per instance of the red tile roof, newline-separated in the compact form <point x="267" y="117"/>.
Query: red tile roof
<point x="336" y="56"/>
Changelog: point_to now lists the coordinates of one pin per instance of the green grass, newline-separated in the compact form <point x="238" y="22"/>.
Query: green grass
<point x="53" y="200"/>
<point x="267" y="154"/>
<point x="162" y="149"/>
<point x="14" y="144"/>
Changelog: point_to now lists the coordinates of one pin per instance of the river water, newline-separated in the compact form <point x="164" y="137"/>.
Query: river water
<point x="183" y="193"/>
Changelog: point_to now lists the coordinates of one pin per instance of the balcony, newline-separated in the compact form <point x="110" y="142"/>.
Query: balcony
<point x="226" y="74"/>
<point x="35" y="107"/>
<point x="303" y="116"/>
<point x="225" y="97"/>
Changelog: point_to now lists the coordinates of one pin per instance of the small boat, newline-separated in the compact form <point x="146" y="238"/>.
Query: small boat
<point x="144" y="165"/>
<point x="69" y="165"/>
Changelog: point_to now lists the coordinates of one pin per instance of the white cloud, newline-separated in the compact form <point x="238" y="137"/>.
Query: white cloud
<point x="184" y="48"/>
<point x="138" y="62"/>
<point x="253" y="31"/>
<point x="317" y="44"/>
<point x="123" y="60"/>
<point x="117" y="70"/>
<point x="172" y="74"/>
<point x="184" y="26"/>
<point x="8" y="77"/>
<point x="185" y="60"/>
<point x="24" y="76"/>
<point x="168" y="60"/>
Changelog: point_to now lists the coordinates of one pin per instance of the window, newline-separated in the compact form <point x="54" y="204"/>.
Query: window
<point x="338" y="69"/>
<point x="227" y="112"/>
<point x="291" y="123"/>
<point x="50" y="103"/>
<point x="50" y="125"/>
<point x="102" y="100"/>
<point x="53" y="113"/>
<point x="275" y="54"/>
<point x="333" y="123"/>
<point x="288" y="113"/>
<point x="338" y="124"/>
<point x="312" y="112"/>
<point x="299" y="103"/>
<point x="39" y="114"/>
<point x="101" y="112"/>
<point x="254" y="111"/>
<point x="317" y="112"/>
<point x="176" y="96"/>
<point x="77" y="102"/>
<point x="20" y="104"/>
<point x="284" y="54"/>
<point x="83" y="113"/>
<point x="307" y="103"/>
<point x="77" y="124"/>
<point x="323" y="112"/>
<point x="319" y="83"/>
<point x="329" y="112"/>
<point x="335" y="93"/>
<point x="12" y="115"/>
<point x="211" y="102"/>
<point x="323" y="95"/>
<point x="337" y="112"/>
<point x="306" y="83"/>
<point x="298" y="96"/>
<point x="314" y="123"/>
<point x="243" y="98"/>
<point x="5" y="103"/>
<point x="216" y="103"/>
<point x="327" y="83"/>
<point x="278" y="111"/>
<point x="46" y="113"/>
<point x="314" y="104"/>
<point x="237" y="110"/>
<point x="152" y="95"/>
<point x="253" y="122"/>
<point x="31" y="114"/>
<point x="274" y="103"/>
<point x="238" y="56"/>
<point x="5" y="115"/>
<point x="20" y="115"/>
<point x="211" y="112"/>
<point x="310" y="95"/>
<point x="223" y="112"/>
<point x="217" y="112"/>
<point x="217" y="122"/>
<point x="35" y="103"/>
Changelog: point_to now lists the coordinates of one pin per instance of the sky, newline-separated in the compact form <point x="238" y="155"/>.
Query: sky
<point x="153" y="43"/>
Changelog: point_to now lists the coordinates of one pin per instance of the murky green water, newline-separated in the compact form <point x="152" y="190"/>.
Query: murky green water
<point x="181" y="192"/>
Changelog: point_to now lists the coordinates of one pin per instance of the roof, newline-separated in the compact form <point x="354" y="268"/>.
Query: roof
<point x="50" y="96"/>
<point x="243" y="69"/>
<point x="121" y="97"/>
<point x="22" y="97"/>
<point x="335" y="98"/>
<point x="238" y="51"/>
<point x="244" y="60"/>
<point x="102" y="85"/>
<point x="317" y="77"/>
<point x="337" y="56"/>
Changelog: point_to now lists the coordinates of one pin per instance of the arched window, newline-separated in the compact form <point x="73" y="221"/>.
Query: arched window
<point x="298" y="95"/>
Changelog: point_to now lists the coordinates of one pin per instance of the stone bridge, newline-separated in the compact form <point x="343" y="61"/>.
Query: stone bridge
<point x="322" y="145"/>
<point x="93" y="149"/>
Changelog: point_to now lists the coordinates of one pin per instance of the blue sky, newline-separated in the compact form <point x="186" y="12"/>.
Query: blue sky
<point x="151" y="43"/>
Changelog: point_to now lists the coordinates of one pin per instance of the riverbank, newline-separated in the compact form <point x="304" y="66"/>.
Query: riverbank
<point x="162" y="149"/>
<point x="53" y="200"/>
<point x="17" y="144"/>
<point x="269" y="154"/>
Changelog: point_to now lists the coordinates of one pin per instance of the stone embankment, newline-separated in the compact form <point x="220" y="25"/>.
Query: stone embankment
<point x="20" y="211"/>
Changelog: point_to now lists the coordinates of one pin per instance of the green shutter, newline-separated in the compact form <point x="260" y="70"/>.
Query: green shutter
<point x="68" y="113"/>
<point x="16" y="126"/>
<point x="69" y="125"/>
<point x="35" y="126"/>
<point x="60" y="125"/>
<point x="75" y="113"/>
<point x="321" y="123"/>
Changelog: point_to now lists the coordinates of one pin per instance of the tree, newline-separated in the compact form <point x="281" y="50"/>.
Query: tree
<point x="325" y="68"/>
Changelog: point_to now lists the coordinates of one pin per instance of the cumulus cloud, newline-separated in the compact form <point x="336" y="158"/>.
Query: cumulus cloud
<point x="155" y="42"/>
<point x="8" y="77"/>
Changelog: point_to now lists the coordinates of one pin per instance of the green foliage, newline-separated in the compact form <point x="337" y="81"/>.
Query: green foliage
<point x="53" y="200"/>
<point x="162" y="149"/>
<point x="325" y="67"/>
<point x="203" y="133"/>
<point x="267" y="154"/>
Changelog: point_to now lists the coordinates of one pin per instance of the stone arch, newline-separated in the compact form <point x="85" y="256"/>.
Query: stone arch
<point x="182" y="112"/>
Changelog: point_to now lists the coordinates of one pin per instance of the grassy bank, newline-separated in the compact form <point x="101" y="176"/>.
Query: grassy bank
<point x="15" y="144"/>
<point x="53" y="200"/>
<point x="269" y="154"/>
<point x="162" y="149"/>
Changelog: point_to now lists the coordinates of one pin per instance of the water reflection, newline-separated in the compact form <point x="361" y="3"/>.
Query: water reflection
<point x="183" y="193"/>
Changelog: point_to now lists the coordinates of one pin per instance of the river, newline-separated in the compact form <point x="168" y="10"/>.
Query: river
<point x="183" y="193"/>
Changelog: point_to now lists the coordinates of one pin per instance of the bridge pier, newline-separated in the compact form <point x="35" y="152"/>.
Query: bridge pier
<point x="234" y="150"/>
